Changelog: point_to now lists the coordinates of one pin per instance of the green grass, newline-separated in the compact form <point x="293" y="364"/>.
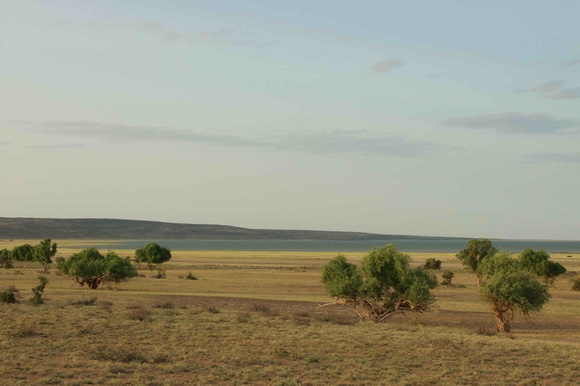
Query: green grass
<point x="251" y="318"/>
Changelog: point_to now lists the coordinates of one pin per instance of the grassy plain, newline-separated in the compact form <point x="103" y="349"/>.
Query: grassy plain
<point x="251" y="318"/>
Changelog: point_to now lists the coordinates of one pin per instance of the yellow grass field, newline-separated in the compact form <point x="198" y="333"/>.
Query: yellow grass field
<point x="251" y="318"/>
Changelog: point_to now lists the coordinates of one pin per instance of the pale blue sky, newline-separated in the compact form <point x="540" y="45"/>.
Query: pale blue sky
<point x="448" y="118"/>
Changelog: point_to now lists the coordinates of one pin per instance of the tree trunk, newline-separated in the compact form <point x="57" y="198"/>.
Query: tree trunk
<point x="503" y="323"/>
<point x="478" y="280"/>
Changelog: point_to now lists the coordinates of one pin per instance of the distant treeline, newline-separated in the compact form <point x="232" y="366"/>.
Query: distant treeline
<point x="36" y="228"/>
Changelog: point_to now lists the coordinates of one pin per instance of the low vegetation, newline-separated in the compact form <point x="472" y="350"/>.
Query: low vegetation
<point x="251" y="318"/>
<point x="152" y="254"/>
<point x="539" y="264"/>
<point x="383" y="285"/>
<point x="432" y="263"/>
<point x="510" y="288"/>
<point x="89" y="267"/>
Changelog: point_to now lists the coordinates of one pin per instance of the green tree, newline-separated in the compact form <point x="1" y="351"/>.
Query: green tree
<point x="39" y="290"/>
<point x="476" y="251"/>
<point x="24" y="253"/>
<point x="383" y="285"/>
<point x="538" y="263"/>
<point x="432" y="263"/>
<point x="90" y="267"/>
<point x="44" y="252"/>
<point x="6" y="259"/>
<point x="510" y="288"/>
<point x="152" y="254"/>
<point x="447" y="277"/>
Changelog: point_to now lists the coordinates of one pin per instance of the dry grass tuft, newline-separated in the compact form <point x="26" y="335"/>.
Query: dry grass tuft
<point x="85" y="301"/>
<point x="116" y="353"/>
<point x="139" y="313"/>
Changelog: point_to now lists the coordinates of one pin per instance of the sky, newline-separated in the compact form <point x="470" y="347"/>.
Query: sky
<point x="446" y="118"/>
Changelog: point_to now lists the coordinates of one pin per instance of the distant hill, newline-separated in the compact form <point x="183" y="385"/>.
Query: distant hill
<point x="38" y="228"/>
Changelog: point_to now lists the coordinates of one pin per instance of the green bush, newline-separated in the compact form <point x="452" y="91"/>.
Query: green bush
<point x="152" y="253"/>
<point x="384" y="284"/>
<point x="510" y="288"/>
<point x="431" y="263"/>
<point x="576" y="284"/>
<point x="6" y="259"/>
<point x="39" y="290"/>
<point x="447" y="276"/>
<point x="7" y="297"/>
<point x="539" y="264"/>
<point x="90" y="267"/>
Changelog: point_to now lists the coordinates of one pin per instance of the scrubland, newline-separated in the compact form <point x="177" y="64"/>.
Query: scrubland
<point x="251" y="318"/>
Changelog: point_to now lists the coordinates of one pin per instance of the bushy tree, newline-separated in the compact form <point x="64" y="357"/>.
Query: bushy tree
<point x="384" y="284"/>
<point x="447" y="277"/>
<point x="23" y="252"/>
<point x="432" y="263"/>
<point x="151" y="254"/>
<point x="90" y="267"/>
<point x="510" y="288"/>
<point x="538" y="263"/>
<point x="39" y="290"/>
<point x="476" y="252"/>
<point x="44" y="252"/>
<point x="5" y="259"/>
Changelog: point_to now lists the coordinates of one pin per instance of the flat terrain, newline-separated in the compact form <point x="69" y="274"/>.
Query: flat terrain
<point x="251" y="318"/>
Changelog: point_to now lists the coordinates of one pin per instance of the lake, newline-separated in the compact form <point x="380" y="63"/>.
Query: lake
<point x="443" y="246"/>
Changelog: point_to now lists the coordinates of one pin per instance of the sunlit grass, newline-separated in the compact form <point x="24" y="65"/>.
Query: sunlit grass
<point x="251" y="318"/>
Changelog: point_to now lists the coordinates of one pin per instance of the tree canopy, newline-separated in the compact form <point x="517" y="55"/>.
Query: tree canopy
<point x="510" y="288"/>
<point x="476" y="251"/>
<point x="23" y="252"/>
<point x="539" y="264"/>
<point x="5" y="258"/>
<point x="151" y="254"/>
<point x="384" y="284"/>
<point x="90" y="267"/>
<point x="44" y="252"/>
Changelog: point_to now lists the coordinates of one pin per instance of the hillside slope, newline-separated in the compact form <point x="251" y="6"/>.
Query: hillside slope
<point x="34" y="228"/>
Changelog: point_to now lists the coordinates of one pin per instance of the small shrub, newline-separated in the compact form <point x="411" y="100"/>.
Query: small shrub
<point x="160" y="274"/>
<point x="190" y="276"/>
<point x="24" y="331"/>
<point x="447" y="276"/>
<point x="141" y="314"/>
<point x="431" y="263"/>
<point x="212" y="310"/>
<point x="576" y="284"/>
<point x="485" y="331"/>
<point x="117" y="353"/>
<point x="244" y="317"/>
<point x="7" y="297"/>
<point x="38" y="291"/>
<point x="85" y="302"/>
<point x="265" y="310"/>
<point x="165" y="305"/>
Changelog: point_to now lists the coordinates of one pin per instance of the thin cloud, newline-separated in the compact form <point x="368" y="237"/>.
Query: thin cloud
<point x="330" y="142"/>
<point x="516" y="123"/>
<point x="554" y="157"/>
<point x="155" y="29"/>
<point x="568" y="93"/>
<point x="60" y="146"/>
<point x="547" y="87"/>
<point x="571" y="63"/>
<point x="554" y="90"/>
<point x="386" y="66"/>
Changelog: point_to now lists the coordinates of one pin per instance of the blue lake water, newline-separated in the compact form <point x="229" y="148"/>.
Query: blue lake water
<point x="443" y="246"/>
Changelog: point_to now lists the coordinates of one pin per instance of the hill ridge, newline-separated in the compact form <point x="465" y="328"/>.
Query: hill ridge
<point x="125" y="229"/>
